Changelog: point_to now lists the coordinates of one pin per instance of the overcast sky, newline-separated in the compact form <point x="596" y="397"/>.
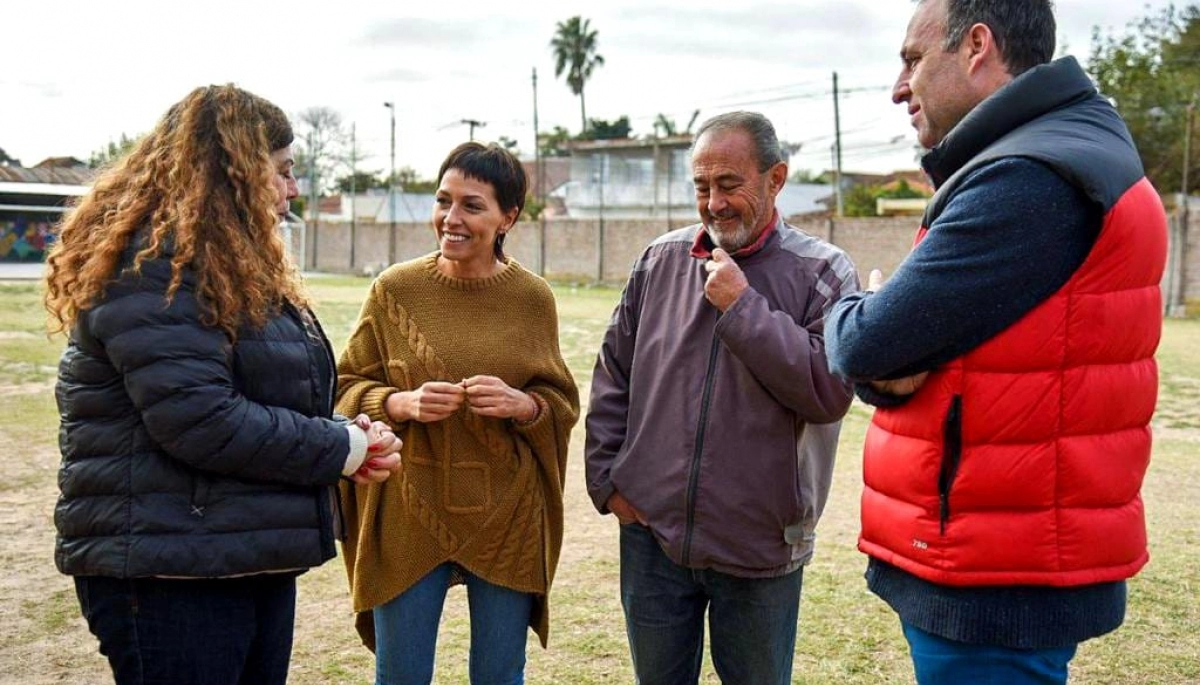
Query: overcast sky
<point x="82" y="72"/>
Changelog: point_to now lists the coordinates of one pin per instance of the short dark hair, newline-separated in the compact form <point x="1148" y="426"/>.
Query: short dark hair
<point x="494" y="165"/>
<point x="766" y="143"/>
<point x="1024" y="29"/>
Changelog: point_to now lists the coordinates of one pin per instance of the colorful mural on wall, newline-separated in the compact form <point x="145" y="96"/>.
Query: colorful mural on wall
<point x="24" y="240"/>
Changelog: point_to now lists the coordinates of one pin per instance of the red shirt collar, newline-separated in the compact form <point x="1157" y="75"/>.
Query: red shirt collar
<point x="703" y="247"/>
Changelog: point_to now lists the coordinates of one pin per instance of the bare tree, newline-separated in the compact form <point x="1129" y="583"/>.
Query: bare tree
<point x="322" y="147"/>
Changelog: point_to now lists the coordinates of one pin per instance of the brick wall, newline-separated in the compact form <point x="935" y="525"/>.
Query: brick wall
<point x="573" y="246"/>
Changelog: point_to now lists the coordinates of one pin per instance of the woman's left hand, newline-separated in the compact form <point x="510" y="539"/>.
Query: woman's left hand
<point x="490" y="396"/>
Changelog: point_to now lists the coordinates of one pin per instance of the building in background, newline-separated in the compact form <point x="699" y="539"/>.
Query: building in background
<point x="32" y="201"/>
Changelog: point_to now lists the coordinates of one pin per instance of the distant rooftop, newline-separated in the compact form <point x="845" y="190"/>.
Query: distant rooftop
<point x="72" y="176"/>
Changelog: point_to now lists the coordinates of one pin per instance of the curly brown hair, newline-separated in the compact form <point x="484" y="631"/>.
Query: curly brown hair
<point x="203" y="182"/>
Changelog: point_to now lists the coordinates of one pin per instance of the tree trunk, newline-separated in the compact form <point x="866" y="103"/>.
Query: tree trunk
<point x="582" y="113"/>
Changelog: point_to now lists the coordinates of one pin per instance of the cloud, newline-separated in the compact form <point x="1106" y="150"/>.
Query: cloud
<point x="399" y="75"/>
<point x="783" y="33"/>
<point x="41" y="88"/>
<point x="421" y="33"/>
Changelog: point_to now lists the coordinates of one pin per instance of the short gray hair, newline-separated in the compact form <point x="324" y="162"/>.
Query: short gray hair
<point x="760" y="130"/>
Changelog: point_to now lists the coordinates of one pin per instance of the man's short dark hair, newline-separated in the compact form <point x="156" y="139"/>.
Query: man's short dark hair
<point x="1024" y="29"/>
<point x="758" y="127"/>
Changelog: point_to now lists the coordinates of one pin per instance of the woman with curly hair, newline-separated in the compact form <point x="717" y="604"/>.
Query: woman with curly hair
<point x="458" y="350"/>
<point x="199" y="445"/>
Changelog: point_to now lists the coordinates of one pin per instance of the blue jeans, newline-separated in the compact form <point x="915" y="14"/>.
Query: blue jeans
<point x="227" y="631"/>
<point x="406" y="630"/>
<point x="938" y="661"/>
<point x="752" y="620"/>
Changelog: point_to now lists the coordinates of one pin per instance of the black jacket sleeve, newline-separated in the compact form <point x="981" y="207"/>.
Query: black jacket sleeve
<point x="178" y="372"/>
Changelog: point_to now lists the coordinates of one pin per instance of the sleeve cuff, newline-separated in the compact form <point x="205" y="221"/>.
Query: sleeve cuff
<point x="600" y="495"/>
<point x="879" y="399"/>
<point x="543" y="408"/>
<point x="358" y="450"/>
<point x="373" y="403"/>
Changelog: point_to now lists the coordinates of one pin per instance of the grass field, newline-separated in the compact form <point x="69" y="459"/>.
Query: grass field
<point x="846" y="635"/>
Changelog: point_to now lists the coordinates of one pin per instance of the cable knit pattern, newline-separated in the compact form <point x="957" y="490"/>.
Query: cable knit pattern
<point x="480" y="492"/>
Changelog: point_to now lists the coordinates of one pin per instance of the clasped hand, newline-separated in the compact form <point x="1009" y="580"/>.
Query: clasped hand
<point x="437" y="400"/>
<point x="383" y="452"/>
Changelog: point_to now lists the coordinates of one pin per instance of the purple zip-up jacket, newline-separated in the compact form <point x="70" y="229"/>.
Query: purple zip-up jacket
<point x="721" y="429"/>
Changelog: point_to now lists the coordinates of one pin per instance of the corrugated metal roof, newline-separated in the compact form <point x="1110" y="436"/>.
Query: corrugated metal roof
<point x="75" y="176"/>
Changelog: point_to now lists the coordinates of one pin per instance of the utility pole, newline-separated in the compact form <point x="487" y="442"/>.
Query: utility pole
<point x="837" y="146"/>
<point x="600" y="233"/>
<point x="392" y="190"/>
<point x="1178" y="296"/>
<point x="472" y="123"/>
<point x="540" y="190"/>
<point x="670" y="179"/>
<point x="314" y="198"/>
<point x="353" y="192"/>
<point x="654" y="171"/>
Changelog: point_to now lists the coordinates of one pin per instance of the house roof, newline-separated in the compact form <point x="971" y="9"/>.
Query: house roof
<point x="558" y="172"/>
<point x="60" y="163"/>
<point x="802" y="198"/>
<point x="629" y="143"/>
<point x="410" y="208"/>
<point x="75" y="176"/>
<point x="373" y="207"/>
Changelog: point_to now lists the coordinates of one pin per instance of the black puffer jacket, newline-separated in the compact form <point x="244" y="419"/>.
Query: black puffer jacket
<point x="188" y="455"/>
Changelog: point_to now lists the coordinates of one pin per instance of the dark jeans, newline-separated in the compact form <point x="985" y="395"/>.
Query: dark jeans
<point x="229" y="631"/>
<point x="938" y="661"/>
<point x="752" y="620"/>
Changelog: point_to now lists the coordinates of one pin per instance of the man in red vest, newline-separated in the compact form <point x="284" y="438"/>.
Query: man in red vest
<point x="1010" y="357"/>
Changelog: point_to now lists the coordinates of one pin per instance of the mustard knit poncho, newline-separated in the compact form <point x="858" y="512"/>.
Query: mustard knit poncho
<point x="481" y="492"/>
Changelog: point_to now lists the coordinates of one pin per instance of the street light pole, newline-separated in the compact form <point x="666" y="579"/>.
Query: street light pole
<point x="392" y="190"/>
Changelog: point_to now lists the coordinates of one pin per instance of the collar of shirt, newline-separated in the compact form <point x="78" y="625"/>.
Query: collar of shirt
<point x="703" y="247"/>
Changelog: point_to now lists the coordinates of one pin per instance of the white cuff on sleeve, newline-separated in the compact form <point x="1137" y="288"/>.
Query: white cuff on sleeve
<point x="358" y="450"/>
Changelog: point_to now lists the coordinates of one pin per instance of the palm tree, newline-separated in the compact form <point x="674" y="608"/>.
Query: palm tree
<point x="574" y="46"/>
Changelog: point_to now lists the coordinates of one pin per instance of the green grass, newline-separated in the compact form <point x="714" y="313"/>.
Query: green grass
<point x="846" y="635"/>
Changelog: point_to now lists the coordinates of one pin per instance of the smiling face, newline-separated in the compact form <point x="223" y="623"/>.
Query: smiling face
<point x="285" y="182"/>
<point x="734" y="199"/>
<point x="467" y="219"/>
<point x="935" y="84"/>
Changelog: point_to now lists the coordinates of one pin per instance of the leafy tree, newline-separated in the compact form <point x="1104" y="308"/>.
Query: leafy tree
<point x="113" y="151"/>
<point x="806" y="176"/>
<point x="5" y="160"/>
<point x="860" y="199"/>
<point x="408" y="181"/>
<point x="360" y="182"/>
<point x="574" y="46"/>
<point x="533" y="209"/>
<point x="665" y="125"/>
<point x="1152" y="75"/>
<point x="509" y="144"/>
<point x="600" y="129"/>
<point x="556" y="143"/>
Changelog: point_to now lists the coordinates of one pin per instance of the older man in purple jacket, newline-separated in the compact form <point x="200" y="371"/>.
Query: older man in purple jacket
<point x="714" y="419"/>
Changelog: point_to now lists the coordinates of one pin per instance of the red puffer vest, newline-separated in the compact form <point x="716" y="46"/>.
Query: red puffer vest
<point x="1021" y="462"/>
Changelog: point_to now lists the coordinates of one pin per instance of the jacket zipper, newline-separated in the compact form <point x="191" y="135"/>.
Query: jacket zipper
<point x="694" y="478"/>
<point x="951" y="456"/>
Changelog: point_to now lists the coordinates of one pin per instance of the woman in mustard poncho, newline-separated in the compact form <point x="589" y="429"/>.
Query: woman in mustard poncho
<point x="458" y="351"/>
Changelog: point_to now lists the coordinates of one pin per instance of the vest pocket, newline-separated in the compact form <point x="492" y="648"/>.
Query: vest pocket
<point x="951" y="455"/>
